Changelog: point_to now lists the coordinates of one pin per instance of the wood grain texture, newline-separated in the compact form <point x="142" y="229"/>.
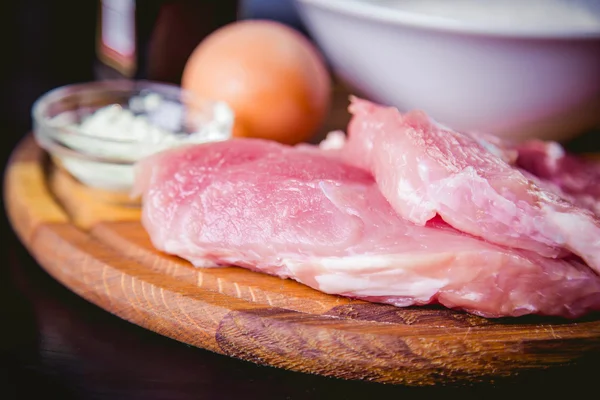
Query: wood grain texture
<point x="101" y="252"/>
<point x="25" y="181"/>
<point x="88" y="206"/>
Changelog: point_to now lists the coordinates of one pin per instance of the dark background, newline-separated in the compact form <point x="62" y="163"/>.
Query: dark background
<point x="55" y="343"/>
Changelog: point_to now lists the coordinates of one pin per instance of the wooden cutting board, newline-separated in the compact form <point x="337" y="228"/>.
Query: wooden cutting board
<point x="101" y="252"/>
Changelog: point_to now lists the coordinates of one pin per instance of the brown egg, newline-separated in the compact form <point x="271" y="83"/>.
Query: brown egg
<point x="273" y="78"/>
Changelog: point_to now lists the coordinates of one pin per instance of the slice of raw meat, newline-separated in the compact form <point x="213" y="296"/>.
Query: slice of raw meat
<point x="550" y="166"/>
<point x="534" y="158"/>
<point x="425" y="169"/>
<point x="300" y="214"/>
<point x="578" y="179"/>
<point x="498" y="147"/>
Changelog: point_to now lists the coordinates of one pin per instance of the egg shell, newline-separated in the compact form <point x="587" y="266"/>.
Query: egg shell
<point x="273" y="77"/>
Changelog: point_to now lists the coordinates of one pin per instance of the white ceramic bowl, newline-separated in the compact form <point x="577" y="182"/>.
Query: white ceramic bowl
<point x="511" y="80"/>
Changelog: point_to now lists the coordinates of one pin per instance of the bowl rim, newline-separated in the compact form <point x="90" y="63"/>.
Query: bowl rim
<point x="41" y="104"/>
<point x="374" y="11"/>
<point x="53" y="137"/>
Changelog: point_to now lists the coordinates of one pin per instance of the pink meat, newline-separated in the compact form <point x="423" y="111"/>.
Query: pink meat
<point x="303" y="215"/>
<point x="424" y="170"/>
<point x="576" y="178"/>
<point x="551" y="167"/>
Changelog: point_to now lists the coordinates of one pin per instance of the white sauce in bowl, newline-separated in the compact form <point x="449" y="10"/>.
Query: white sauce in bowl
<point x="148" y="125"/>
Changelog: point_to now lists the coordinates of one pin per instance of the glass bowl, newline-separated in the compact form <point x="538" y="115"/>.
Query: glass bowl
<point x="97" y="131"/>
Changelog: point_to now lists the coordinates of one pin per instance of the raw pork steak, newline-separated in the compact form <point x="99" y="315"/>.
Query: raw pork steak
<point x="299" y="214"/>
<point x="424" y="170"/>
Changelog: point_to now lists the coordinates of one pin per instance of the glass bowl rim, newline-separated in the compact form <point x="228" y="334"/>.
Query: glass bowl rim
<point x="46" y="100"/>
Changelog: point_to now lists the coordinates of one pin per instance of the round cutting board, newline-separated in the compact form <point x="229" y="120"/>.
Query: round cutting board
<point x="101" y="252"/>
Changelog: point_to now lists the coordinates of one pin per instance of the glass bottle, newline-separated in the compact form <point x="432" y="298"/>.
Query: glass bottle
<point x="152" y="39"/>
